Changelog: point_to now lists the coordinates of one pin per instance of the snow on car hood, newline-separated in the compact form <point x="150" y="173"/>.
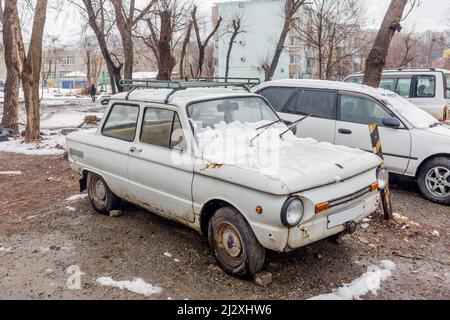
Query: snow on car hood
<point x="295" y="164"/>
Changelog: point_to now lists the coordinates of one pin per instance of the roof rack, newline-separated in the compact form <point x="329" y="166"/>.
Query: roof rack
<point x="175" y="86"/>
<point x="404" y="69"/>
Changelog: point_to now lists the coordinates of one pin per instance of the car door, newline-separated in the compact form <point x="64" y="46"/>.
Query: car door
<point x="160" y="167"/>
<point x="117" y="135"/>
<point x="320" y="105"/>
<point x="355" y="113"/>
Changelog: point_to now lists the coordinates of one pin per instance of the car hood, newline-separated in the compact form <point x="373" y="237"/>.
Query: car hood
<point x="442" y="130"/>
<point x="294" y="167"/>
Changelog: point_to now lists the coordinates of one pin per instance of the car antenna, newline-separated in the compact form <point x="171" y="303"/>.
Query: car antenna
<point x="296" y="123"/>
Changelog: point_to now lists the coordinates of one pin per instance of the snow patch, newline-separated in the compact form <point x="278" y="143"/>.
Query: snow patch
<point x="168" y="254"/>
<point x="71" y="208"/>
<point x="5" y="249"/>
<point x="77" y="197"/>
<point x="369" y="282"/>
<point x="50" y="145"/>
<point x="435" y="233"/>
<point x="137" y="285"/>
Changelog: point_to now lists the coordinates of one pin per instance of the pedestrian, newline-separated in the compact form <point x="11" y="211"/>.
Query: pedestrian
<point x="93" y="92"/>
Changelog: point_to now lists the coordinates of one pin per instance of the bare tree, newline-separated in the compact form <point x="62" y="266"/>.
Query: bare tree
<point x="184" y="47"/>
<point x="234" y="29"/>
<point x="166" y="23"/>
<point x="202" y="44"/>
<point x="377" y="57"/>
<point x="126" y="21"/>
<point x="97" y="14"/>
<point x="14" y="57"/>
<point x="403" y="50"/>
<point x="31" y="72"/>
<point x="291" y="8"/>
<point x="332" y="29"/>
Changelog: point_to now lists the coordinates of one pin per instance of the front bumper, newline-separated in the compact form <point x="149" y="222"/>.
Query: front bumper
<point x="321" y="226"/>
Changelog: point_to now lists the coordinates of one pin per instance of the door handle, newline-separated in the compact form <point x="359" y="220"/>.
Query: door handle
<point x="135" y="149"/>
<point x="345" y="131"/>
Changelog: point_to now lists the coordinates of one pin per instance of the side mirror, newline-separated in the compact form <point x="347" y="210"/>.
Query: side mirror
<point x="392" y="122"/>
<point x="289" y="123"/>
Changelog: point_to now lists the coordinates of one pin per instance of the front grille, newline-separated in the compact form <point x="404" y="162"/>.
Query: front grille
<point x="347" y="198"/>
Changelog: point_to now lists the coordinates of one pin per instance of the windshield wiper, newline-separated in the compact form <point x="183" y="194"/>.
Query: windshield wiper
<point x="265" y="127"/>
<point x="296" y="123"/>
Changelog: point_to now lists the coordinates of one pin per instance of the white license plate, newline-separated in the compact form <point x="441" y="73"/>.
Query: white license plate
<point x="342" y="217"/>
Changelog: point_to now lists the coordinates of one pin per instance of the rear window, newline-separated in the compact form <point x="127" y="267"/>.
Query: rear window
<point x="321" y="104"/>
<point x="278" y="96"/>
<point x="121" y="122"/>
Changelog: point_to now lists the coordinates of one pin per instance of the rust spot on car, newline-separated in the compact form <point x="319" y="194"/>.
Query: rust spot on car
<point x="212" y="165"/>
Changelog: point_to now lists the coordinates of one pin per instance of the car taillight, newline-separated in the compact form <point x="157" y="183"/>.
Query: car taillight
<point x="445" y="117"/>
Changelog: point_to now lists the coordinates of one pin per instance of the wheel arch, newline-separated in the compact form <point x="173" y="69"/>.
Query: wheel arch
<point x="210" y="207"/>
<point x="425" y="161"/>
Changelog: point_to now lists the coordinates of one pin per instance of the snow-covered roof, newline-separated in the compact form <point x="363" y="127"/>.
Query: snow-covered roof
<point x="144" y="75"/>
<point x="76" y="74"/>
<point x="182" y="97"/>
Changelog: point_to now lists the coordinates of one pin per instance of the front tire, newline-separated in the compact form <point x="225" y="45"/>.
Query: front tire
<point x="101" y="197"/>
<point x="434" y="180"/>
<point x="234" y="244"/>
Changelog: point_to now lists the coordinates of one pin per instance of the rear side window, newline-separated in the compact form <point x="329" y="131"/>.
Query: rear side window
<point x="388" y="84"/>
<point x="403" y="88"/>
<point x="321" y="104"/>
<point x="162" y="128"/>
<point x="278" y="96"/>
<point x="425" y="86"/>
<point x="357" y="80"/>
<point x="121" y="122"/>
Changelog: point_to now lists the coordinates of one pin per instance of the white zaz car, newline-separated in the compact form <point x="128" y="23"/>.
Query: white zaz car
<point x="414" y="143"/>
<point x="222" y="162"/>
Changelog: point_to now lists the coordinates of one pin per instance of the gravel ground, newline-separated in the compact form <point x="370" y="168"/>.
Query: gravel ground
<point x="42" y="236"/>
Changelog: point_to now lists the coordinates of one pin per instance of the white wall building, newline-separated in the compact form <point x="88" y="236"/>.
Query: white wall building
<point x="262" y="23"/>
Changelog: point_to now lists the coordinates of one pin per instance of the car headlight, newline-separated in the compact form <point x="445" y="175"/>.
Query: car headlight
<point x="383" y="178"/>
<point x="292" y="212"/>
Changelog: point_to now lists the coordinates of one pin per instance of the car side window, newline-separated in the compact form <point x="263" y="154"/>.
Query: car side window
<point x="278" y="96"/>
<point x="361" y="110"/>
<point x="425" y="86"/>
<point x="388" y="84"/>
<point x="121" y="122"/>
<point x="403" y="87"/>
<point x="162" y="128"/>
<point x="321" y="104"/>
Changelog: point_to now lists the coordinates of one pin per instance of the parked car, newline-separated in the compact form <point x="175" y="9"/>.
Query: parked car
<point x="170" y="151"/>
<point x="427" y="88"/>
<point x="2" y="86"/>
<point x="414" y="143"/>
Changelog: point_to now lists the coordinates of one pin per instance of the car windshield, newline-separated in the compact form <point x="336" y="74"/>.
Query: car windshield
<point x="246" y="110"/>
<point x="415" y="116"/>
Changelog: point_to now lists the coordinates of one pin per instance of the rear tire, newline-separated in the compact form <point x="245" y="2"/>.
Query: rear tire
<point x="434" y="180"/>
<point x="234" y="244"/>
<point x="101" y="197"/>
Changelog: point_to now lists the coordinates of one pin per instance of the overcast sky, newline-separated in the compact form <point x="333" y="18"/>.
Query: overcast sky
<point x="429" y="16"/>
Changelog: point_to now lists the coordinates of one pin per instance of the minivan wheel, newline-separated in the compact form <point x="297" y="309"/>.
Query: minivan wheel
<point x="234" y="244"/>
<point x="101" y="197"/>
<point x="434" y="180"/>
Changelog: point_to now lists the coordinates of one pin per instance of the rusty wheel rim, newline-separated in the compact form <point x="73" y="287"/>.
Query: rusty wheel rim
<point x="98" y="191"/>
<point x="229" y="244"/>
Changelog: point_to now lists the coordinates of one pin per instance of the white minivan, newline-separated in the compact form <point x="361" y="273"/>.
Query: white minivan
<point x="414" y="143"/>
<point x="427" y="88"/>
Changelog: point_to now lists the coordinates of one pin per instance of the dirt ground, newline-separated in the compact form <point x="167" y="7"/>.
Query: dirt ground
<point x="42" y="235"/>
